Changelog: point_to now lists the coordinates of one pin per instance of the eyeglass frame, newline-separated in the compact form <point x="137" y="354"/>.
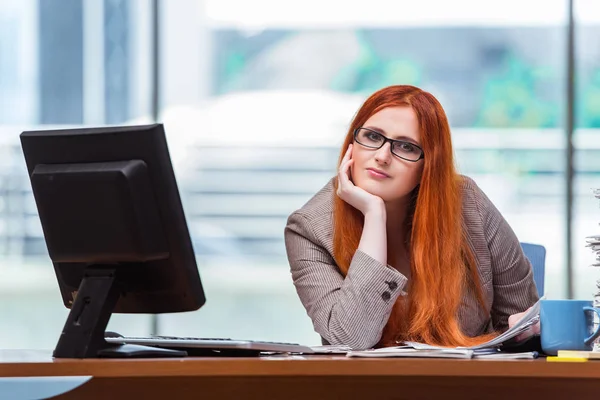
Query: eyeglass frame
<point x="391" y="141"/>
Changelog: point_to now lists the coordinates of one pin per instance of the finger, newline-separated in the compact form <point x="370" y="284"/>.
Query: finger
<point x="344" y="175"/>
<point x="524" y="335"/>
<point x="347" y="165"/>
<point x="347" y="154"/>
<point x="345" y="185"/>
<point x="343" y="172"/>
<point x="513" y="319"/>
<point x="519" y="338"/>
<point x="536" y="329"/>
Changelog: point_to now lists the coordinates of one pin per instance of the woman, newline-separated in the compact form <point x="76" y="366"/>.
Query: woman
<point x="399" y="246"/>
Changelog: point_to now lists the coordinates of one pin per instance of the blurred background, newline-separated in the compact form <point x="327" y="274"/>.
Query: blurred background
<point x="256" y="97"/>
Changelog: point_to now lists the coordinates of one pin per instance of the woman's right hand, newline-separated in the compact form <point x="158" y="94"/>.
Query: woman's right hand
<point x="358" y="198"/>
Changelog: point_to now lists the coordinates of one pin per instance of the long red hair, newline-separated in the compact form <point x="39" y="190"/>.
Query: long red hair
<point x="443" y="266"/>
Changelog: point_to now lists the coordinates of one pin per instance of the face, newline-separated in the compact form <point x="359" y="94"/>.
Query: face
<point x="380" y="172"/>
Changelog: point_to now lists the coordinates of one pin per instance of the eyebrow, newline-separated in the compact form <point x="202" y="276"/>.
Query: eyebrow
<point x="405" y="138"/>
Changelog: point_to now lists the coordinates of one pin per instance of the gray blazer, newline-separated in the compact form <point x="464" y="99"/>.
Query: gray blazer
<point x="354" y="310"/>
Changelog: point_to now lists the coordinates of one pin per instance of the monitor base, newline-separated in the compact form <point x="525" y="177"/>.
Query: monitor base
<point x="137" y="351"/>
<point x="83" y="333"/>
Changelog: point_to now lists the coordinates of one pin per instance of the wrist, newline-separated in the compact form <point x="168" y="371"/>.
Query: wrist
<point x="376" y="210"/>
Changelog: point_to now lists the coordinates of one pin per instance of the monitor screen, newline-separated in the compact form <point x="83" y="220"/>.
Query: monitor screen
<point x="114" y="227"/>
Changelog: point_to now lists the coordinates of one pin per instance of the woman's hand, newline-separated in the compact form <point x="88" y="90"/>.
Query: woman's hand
<point x="532" y="330"/>
<point x="358" y="198"/>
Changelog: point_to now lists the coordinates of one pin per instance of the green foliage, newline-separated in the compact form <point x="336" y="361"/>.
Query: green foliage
<point x="370" y="72"/>
<point x="511" y="99"/>
<point x="588" y="108"/>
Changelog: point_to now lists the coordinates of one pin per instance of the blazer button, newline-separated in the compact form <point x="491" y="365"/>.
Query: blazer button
<point x="393" y="285"/>
<point x="386" y="296"/>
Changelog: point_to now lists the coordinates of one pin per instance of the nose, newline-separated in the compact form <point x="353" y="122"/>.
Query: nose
<point x="384" y="154"/>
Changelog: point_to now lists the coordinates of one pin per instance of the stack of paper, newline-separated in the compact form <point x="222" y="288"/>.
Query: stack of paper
<point x="407" y="351"/>
<point x="508" y="356"/>
<point x="489" y="349"/>
<point x="530" y="318"/>
<point x="593" y="242"/>
<point x="330" y="349"/>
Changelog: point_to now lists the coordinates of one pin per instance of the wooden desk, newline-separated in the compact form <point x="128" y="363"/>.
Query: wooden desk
<point x="315" y="377"/>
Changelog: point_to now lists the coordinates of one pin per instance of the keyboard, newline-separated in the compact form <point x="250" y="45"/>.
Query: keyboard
<point x="205" y="346"/>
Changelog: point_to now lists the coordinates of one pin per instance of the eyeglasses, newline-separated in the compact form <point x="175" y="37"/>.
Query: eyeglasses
<point x="375" y="140"/>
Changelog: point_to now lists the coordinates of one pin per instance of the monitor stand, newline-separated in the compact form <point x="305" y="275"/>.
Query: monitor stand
<point x="83" y="334"/>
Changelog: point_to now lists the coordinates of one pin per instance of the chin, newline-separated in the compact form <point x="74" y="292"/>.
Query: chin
<point x="377" y="189"/>
<point x="382" y="190"/>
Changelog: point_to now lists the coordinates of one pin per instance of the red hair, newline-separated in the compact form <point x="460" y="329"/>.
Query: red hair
<point x="443" y="266"/>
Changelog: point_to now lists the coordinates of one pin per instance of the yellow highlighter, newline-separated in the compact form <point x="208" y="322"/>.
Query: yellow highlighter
<point x="565" y="359"/>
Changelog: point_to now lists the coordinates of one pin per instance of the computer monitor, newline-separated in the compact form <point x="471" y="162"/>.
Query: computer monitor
<point x="115" y="229"/>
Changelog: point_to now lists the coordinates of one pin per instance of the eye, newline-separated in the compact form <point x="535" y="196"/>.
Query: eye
<point x="406" y="147"/>
<point x="375" y="137"/>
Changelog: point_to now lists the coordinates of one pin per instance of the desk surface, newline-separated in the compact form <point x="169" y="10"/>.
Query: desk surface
<point x="321" y="376"/>
<point x="15" y="363"/>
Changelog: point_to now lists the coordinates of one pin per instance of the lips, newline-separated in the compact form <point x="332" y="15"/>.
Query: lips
<point x="377" y="173"/>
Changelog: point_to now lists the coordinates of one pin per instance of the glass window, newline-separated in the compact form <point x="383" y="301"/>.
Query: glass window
<point x="586" y="211"/>
<point x="61" y="64"/>
<point x="256" y="97"/>
<point x="280" y="90"/>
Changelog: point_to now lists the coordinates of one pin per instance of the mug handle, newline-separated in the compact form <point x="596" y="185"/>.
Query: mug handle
<point x="590" y="339"/>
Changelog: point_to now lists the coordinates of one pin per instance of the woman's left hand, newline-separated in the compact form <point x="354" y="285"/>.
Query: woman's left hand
<point x="532" y="330"/>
